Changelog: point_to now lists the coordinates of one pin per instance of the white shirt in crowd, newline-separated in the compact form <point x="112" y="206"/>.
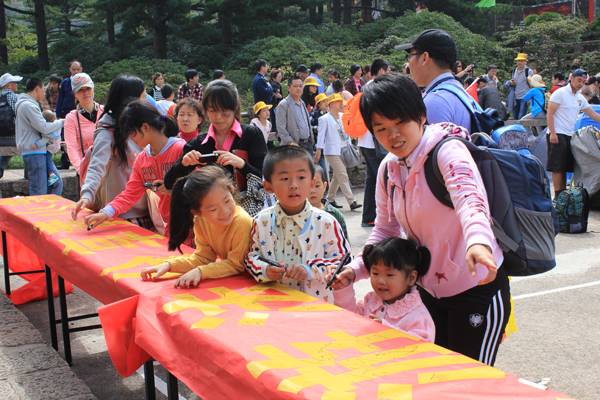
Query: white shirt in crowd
<point x="366" y="140"/>
<point x="163" y="106"/>
<point x="264" y="129"/>
<point x="569" y="106"/>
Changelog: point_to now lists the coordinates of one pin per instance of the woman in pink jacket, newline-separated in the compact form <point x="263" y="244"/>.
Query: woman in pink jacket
<point x="80" y="123"/>
<point x="465" y="290"/>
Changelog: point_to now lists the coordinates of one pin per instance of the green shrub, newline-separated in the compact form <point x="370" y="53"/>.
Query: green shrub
<point x="531" y="18"/>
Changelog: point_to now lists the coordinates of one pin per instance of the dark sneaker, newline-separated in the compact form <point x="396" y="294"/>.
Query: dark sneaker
<point x="336" y="205"/>
<point x="355" y="205"/>
<point x="367" y="224"/>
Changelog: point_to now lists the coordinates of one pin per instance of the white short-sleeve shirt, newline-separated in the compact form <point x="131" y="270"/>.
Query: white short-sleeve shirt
<point x="569" y="106"/>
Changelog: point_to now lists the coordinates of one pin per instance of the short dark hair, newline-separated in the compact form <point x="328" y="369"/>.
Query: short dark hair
<point x="218" y="74"/>
<point x="166" y="90"/>
<point x="286" y="152"/>
<point x="367" y="69"/>
<point x="575" y="66"/>
<point x="315" y="67"/>
<point x="559" y="75"/>
<point x="33" y="83"/>
<point x="190" y="74"/>
<point x="292" y="79"/>
<point x="222" y="95"/>
<point x="274" y="73"/>
<point x="75" y="61"/>
<point x="378" y="65"/>
<point x="155" y="77"/>
<point x="399" y="254"/>
<point x="258" y="64"/>
<point x="392" y="96"/>
<point x="192" y="103"/>
<point x="334" y="73"/>
<point x="56" y="79"/>
<point x="469" y="80"/>
<point x="320" y="171"/>
<point x="393" y="68"/>
<point x="490" y="67"/>
<point x="354" y="68"/>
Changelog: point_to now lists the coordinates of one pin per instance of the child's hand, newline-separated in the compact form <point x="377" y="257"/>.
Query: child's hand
<point x="159" y="270"/>
<point x="343" y="279"/>
<point x="34" y="146"/>
<point x="191" y="158"/>
<point x="160" y="188"/>
<point x="275" y="273"/>
<point x="81" y="204"/>
<point x="375" y="318"/>
<point x="297" y="272"/>
<point x="190" y="279"/>
<point x="95" y="219"/>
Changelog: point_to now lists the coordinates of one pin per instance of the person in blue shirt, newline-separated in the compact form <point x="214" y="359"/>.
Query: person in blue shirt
<point x="260" y="86"/>
<point x="536" y="96"/>
<point x="316" y="70"/>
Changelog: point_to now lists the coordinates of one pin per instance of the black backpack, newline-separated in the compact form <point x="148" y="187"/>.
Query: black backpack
<point x="7" y="118"/>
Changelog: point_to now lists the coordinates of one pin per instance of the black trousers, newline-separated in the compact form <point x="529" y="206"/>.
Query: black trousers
<point x="472" y="322"/>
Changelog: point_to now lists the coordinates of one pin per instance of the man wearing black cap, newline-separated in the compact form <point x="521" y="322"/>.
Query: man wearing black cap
<point x="430" y="59"/>
<point x="303" y="72"/>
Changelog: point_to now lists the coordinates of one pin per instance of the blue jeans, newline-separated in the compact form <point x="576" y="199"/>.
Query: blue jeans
<point x="372" y="161"/>
<point x="520" y="109"/>
<point x="38" y="176"/>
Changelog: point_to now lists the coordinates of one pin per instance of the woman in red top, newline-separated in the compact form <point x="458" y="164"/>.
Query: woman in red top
<point x="353" y="84"/>
<point x="190" y="118"/>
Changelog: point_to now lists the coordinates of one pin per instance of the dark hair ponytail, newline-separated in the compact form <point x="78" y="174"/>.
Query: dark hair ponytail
<point x="141" y="112"/>
<point x="187" y="195"/>
<point x="399" y="254"/>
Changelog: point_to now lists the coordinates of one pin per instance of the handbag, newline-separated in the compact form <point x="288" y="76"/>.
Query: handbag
<point x="238" y="178"/>
<point x="157" y="220"/>
<point x="350" y="155"/>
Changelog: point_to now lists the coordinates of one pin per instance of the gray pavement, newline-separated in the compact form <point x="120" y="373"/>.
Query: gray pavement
<point x="557" y="339"/>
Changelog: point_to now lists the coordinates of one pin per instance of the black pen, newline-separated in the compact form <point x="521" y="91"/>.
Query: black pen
<point x="90" y="227"/>
<point x="271" y="262"/>
<point x="343" y="262"/>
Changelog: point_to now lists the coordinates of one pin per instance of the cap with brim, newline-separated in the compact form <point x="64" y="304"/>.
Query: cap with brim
<point x="436" y="42"/>
<point x="521" y="57"/>
<point x="8" y="78"/>
<point x="311" y="82"/>
<point x="536" y="81"/>
<point x="302" y="68"/>
<point x="80" y="81"/>
<point x="335" y="97"/>
<point x="260" y="105"/>
<point x="579" y="72"/>
<point x="320" y="97"/>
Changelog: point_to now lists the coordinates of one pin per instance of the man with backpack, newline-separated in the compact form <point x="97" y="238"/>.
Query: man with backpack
<point x="558" y="81"/>
<point x="563" y="110"/>
<point x="431" y="56"/>
<point x="489" y="97"/>
<point x="8" y="99"/>
<point x="520" y="85"/>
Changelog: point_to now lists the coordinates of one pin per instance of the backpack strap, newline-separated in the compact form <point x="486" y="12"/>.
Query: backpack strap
<point x="80" y="135"/>
<point x="469" y="103"/>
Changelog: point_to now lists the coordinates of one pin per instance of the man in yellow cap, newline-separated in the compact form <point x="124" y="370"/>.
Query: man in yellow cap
<point x="520" y="86"/>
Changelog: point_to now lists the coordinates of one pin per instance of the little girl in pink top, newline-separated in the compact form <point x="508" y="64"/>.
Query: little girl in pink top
<point x="394" y="265"/>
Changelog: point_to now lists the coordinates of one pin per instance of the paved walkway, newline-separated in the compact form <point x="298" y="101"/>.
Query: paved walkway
<point x="29" y="367"/>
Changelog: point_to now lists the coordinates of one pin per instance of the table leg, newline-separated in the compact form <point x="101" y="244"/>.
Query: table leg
<point x="149" y="380"/>
<point x="51" y="314"/>
<point x="6" y="270"/>
<point x="172" y="390"/>
<point x="64" y="317"/>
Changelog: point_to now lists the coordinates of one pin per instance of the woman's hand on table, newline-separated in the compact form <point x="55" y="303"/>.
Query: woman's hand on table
<point x="95" y="219"/>
<point x="80" y="205"/>
<point x="190" y="279"/>
<point x="158" y="271"/>
<point x="227" y="158"/>
<point x="481" y="254"/>
<point x="343" y="279"/>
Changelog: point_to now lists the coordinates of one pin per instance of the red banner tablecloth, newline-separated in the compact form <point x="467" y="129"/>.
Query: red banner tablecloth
<point x="236" y="338"/>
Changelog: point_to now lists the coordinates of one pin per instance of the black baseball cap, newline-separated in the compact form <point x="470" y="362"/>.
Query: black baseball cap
<point x="302" y="68"/>
<point x="436" y="42"/>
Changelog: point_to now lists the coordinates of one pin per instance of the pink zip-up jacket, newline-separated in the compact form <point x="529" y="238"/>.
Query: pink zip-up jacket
<point x="446" y="232"/>
<point x="408" y="314"/>
<point x="148" y="168"/>
<point x="73" y="138"/>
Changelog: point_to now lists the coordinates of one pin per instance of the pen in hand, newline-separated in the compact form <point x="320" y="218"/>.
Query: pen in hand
<point x="343" y="262"/>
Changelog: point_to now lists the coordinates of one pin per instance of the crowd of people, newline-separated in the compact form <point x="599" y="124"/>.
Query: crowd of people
<point x="437" y="272"/>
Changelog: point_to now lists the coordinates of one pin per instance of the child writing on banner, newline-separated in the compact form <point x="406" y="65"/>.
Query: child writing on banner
<point x="204" y="201"/>
<point x="394" y="265"/>
<point x="317" y="201"/>
<point x="238" y="146"/>
<point x="154" y="132"/>
<point x="263" y="112"/>
<point x="190" y="118"/>
<point x="51" y="142"/>
<point x="302" y="239"/>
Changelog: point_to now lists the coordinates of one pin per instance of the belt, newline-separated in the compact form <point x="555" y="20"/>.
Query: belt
<point x="303" y="140"/>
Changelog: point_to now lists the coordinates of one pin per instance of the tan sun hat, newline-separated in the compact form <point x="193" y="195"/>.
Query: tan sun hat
<point x="310" y="81"/>
<point x="320" y="97"/>
<point x="260" y="105"/>
<point x="536" y="81"/>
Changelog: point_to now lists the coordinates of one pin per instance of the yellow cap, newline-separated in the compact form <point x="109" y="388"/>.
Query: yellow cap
<point x="320" y="97"/>
<point x="335" y="97"/>
<point x="260" y="105"/>
<point x="521" y="57"/>
<point x="310" y="81"/>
